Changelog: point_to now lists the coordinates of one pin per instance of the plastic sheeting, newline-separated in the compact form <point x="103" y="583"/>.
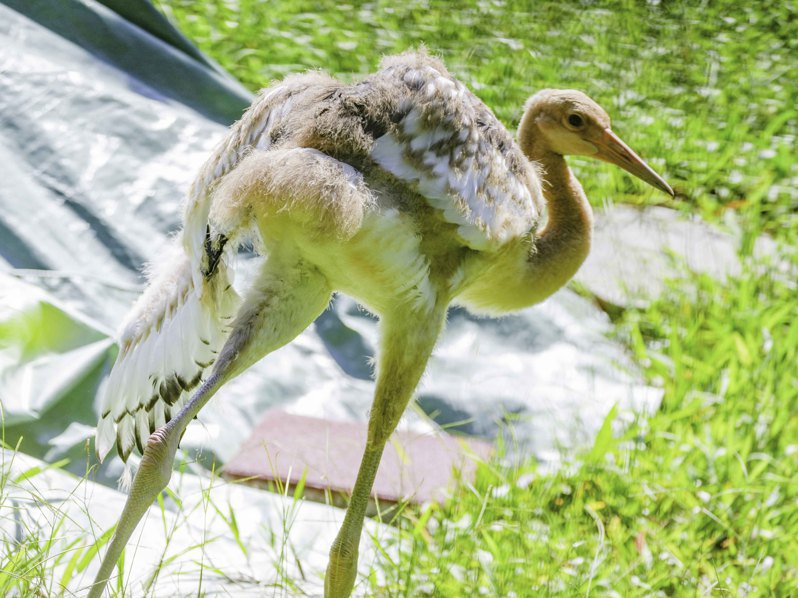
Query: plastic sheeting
<point x="135" y="38"/>
<point x="666" y="245"/>
<point x="95" y="162"/>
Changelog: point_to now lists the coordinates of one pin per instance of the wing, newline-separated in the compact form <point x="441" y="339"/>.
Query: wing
<point x="170" y="337"/>
<point x="176" y="328"/>
<point x="174" y="331"/>
<point x="456" y="153"/>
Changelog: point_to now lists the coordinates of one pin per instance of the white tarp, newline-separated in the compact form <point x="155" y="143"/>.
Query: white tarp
<point x="221" y="540"/>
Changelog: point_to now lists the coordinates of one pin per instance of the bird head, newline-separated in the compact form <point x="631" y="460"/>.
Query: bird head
<point x="569" y="123"/>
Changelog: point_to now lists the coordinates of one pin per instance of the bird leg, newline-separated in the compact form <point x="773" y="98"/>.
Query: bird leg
<point x="282" y="303"/>
<point x="152" y="476"/>
<point x="407" y="341"/>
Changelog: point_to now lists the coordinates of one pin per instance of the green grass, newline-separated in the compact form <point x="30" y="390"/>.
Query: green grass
<point x="699" y="499"/>
<point x="38" y="556"/>
<point x="51" y="537"/>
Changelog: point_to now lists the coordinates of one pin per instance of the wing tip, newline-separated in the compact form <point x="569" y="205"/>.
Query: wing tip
<point x="105" y="437"/>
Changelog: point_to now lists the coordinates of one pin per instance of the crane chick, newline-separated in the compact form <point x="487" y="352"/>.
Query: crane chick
<point x="403" y="191"/>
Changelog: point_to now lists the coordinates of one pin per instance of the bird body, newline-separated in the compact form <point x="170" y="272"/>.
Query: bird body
<point x="403" y="191"/>
<point x="407" y="178"/>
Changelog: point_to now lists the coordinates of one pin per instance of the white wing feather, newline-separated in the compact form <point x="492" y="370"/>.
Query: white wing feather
<point x="170" y="337"/>
<point x="175" y="330"/>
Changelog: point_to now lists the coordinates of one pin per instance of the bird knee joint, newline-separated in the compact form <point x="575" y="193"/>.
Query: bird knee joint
<point x="344" y="550"/>
<point x="158" y="455"/>
<point x="157" y="442"/>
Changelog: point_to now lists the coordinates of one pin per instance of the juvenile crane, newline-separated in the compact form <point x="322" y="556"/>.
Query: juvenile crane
<point x="403" y="191"/>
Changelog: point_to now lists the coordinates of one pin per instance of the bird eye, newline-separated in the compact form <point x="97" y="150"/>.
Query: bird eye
<point x="575" y="120"/>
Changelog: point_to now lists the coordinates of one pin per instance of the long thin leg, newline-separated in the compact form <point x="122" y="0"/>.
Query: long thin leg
<point x="407" y="341"/>
<point x="283" y="302"/>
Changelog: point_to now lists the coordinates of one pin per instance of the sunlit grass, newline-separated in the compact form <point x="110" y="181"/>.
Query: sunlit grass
<point x="699" y="498"/>
<point x="38" y="557"/>
<point x="51" y="543"/>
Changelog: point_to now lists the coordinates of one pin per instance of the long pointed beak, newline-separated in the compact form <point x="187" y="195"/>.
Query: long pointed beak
<point x="613" y="150"/>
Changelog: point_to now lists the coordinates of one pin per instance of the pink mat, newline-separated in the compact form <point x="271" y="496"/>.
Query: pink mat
<point x="414" y="467"/>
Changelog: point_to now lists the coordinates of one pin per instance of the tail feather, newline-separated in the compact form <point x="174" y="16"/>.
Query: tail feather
<point x="170" y="338"/>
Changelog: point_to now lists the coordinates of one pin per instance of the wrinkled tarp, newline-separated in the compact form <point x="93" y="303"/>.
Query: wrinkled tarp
<point x="95" y="163"/>
<point x="135" y="38"/>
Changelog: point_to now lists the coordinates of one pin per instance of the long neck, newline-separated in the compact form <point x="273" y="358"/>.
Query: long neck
<point x="533" y="267"/>
<point x="563" y="244"/>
